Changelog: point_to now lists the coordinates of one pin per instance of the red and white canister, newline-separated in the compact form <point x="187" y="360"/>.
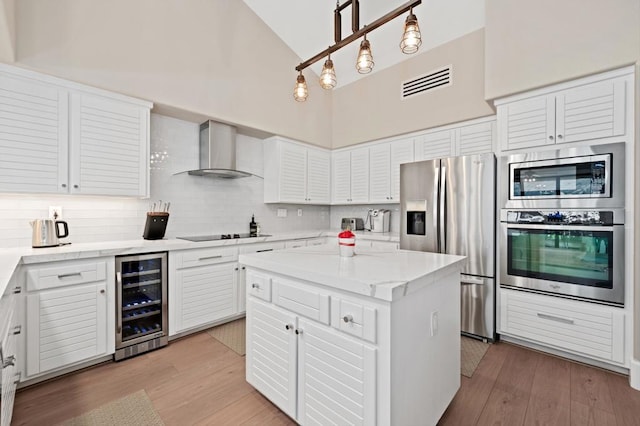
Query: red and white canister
<point x="347" y="243"/>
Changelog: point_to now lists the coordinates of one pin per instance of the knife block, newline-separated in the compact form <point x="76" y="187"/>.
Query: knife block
<point x="155" y="226"/>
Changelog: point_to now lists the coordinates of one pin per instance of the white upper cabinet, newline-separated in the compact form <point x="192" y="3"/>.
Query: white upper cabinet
<point x="586" y="109"/>
<point x="350" y="176"/>
<point x="108" y="146"/>
<point x="434" y="144"/>
<point x="296" y="173"/>
<point x="384" y="169"/>
<point x="61" y="137"/>
<point x="468" y="138"/>
<point x="34" y="125"/>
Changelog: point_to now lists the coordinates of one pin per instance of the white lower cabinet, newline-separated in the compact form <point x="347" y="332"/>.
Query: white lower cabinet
<point x="203" y="287"/>
<point x="313" y="373"/>
<point x="586" y="329"/>
<point x="69" y="314"/>
<point x="10" y="329"/>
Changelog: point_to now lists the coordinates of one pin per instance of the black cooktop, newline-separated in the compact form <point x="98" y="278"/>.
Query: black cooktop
<point x="197" y="238"/>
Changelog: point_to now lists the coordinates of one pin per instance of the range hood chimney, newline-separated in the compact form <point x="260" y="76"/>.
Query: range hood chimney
<point x="218" y="152"/>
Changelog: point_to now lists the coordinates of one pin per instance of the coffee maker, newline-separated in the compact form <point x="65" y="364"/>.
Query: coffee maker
<point x="379" y="220"/>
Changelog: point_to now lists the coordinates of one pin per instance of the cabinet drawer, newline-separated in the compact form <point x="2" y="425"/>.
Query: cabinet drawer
<point x="259" y="285"/>
<point x="262" y="247"/>
<point x="295" y="298"/>
<point x="587" y="329"/>
<point x="354" y="318"/>
<point x="295" y="244"/>
<point x="64" y="274"/>
<point x="201" y="257"/>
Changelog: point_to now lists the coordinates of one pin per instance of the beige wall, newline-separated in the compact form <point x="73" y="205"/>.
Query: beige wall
<point x="372" y="108"/>
<point x="7" y="31"/>
<point x="214" y="58"/>
<point x="535" y="43"/>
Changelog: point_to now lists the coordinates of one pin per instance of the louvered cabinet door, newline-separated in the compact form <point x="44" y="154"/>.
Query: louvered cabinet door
<point x="318" y="176"/>
<point x="401" y="152"/>
<point x="360" y="175"/>
<point x="65" y="325"/>
<point x="527" y="123"/>
<point x="337" y="377"/>
<point x="341" y="177"/>
<point x="205" y="294"/>
<point x="109" y="146"/>
<point x="272" y="354"/>
<point x="476" y="139"/>
<point x="380" y="173"/>
<point x="592" y="112"/>
<point x="33" y="137"/>
<point x="293" y="173"/>
<point x="434" y="145"/>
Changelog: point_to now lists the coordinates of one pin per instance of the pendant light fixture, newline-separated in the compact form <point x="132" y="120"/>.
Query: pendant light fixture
<point x="300" y="92"/>
<point x="328" y="76"/>
<point x="410" y="43"/>
<point x="364" y="63"/>
<point x="411" y="39"/>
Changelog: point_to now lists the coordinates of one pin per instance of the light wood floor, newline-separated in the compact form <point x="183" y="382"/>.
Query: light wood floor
<point x="197" y="380"/>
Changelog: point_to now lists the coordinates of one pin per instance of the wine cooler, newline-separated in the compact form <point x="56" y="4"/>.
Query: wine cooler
<point x="141" y="304"/>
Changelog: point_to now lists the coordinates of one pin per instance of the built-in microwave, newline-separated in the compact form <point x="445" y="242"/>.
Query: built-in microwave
<point x="584" y="177"/>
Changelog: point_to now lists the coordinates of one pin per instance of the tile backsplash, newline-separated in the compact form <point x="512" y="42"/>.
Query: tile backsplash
<point x="361" y="210"/>
<point x="199" y="205"/>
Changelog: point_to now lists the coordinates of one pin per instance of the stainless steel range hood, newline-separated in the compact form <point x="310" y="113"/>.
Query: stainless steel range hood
<point x="218" y="152"/>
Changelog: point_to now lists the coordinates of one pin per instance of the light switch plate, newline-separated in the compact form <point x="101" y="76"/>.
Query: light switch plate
<point x="299" y="212"/>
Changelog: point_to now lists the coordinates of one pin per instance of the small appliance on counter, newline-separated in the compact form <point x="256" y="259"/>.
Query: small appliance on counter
<point x="156" y="223"/>
<point x="379" y="220"/>
<point x="352" y="223"/>
<point x="46" y="232"/>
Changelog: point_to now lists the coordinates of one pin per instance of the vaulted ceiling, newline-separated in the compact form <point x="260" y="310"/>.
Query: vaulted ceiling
<point x="306" y="26"/>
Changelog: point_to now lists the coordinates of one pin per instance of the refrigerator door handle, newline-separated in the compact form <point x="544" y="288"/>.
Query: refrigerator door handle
<point x="436" y="203"/>
<point x="443" y="212"/>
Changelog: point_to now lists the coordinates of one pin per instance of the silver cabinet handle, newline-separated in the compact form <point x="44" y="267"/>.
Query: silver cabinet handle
<point x="554" y="318"/>
<point x="255" y="285"/>
<point x="298" y="331"/>
<point x="210" y="257"/>
<point x="11" y="360"/>
<point x="73" y="274"/>
<point x="288" y="326"/>
<point x="17" y="329"/>
<point x="261" y="251"/>
<point x="17" y="290"/>
<point x="347" y="318"/>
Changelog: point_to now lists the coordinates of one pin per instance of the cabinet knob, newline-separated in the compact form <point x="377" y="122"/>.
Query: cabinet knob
<point x="347" y="318"/>
<point x="559" y="136"/>
<point x="11" y="360"/>
<point x="550" y="137"/>
<point x="288" y="326"/>
<point x="244" y="267"/>
<point x="76" y="186"/>
<point x="299" y="331"/>
<point x="236" y="269"/>
<point x="17" y="329"/>
<point x="17" y="290"/>
<point x="255" y="285"/>
<point x="64" y="185"/>
<point x="102" y="291"/>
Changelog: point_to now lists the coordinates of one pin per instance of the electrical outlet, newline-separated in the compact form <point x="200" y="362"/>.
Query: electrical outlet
<point x="434" y="323"/>
<point x="299" y="212"/>
<point x="282" y="212"/>
<point x="55" y="212"/>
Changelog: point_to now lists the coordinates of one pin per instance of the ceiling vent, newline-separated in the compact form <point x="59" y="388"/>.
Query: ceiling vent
<point x="428" y="82"/>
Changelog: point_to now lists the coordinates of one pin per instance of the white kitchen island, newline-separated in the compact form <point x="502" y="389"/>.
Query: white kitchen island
<point x="372" y="340"/>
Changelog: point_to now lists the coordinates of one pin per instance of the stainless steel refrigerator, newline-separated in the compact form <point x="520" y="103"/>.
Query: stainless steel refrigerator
<point x="448" y="206"/>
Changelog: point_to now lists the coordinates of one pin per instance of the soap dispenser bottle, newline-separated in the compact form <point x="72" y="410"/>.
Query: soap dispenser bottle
<point x="253" y="227"/>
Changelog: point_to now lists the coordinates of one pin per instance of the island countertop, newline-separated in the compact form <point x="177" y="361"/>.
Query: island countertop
<point x="376" y="273"/>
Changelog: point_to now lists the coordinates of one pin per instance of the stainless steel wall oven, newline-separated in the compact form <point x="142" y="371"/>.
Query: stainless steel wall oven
<point x="141" y="304"/>
<point x="562" y="222"/>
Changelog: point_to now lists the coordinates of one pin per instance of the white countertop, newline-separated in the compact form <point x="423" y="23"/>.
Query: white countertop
<point x="11" y="258"/>
<point x="377" y="273"/>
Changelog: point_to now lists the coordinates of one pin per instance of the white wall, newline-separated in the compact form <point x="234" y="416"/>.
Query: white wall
<point x="7" y="31"/>
<point x="198" y="205"/>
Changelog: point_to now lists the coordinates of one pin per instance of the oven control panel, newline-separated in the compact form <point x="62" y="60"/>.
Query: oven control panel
<point x="556" y="217"/>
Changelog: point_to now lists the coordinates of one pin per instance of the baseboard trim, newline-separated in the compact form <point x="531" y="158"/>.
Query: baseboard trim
<point x="634" y="374"/>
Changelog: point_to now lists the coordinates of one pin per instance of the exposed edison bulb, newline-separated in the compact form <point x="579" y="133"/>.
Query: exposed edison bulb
<point x="300" y="91"/>
<point x="364" y="63"/>
<point x="328" y="76"/>
<point x="411" y="38"/>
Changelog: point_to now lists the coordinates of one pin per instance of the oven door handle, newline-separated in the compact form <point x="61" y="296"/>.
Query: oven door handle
<point x="560" y="227"/>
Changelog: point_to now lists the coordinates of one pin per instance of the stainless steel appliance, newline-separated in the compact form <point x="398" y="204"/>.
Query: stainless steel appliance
<point x="46" y="232"/>
<point x="353" y="223"/>
<point x="574" y="253"/>
<point x="448" y="206"/>
<point x="582" y="177"/>
<point x="379" y="220"/>
<point x="141" y="304"/>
